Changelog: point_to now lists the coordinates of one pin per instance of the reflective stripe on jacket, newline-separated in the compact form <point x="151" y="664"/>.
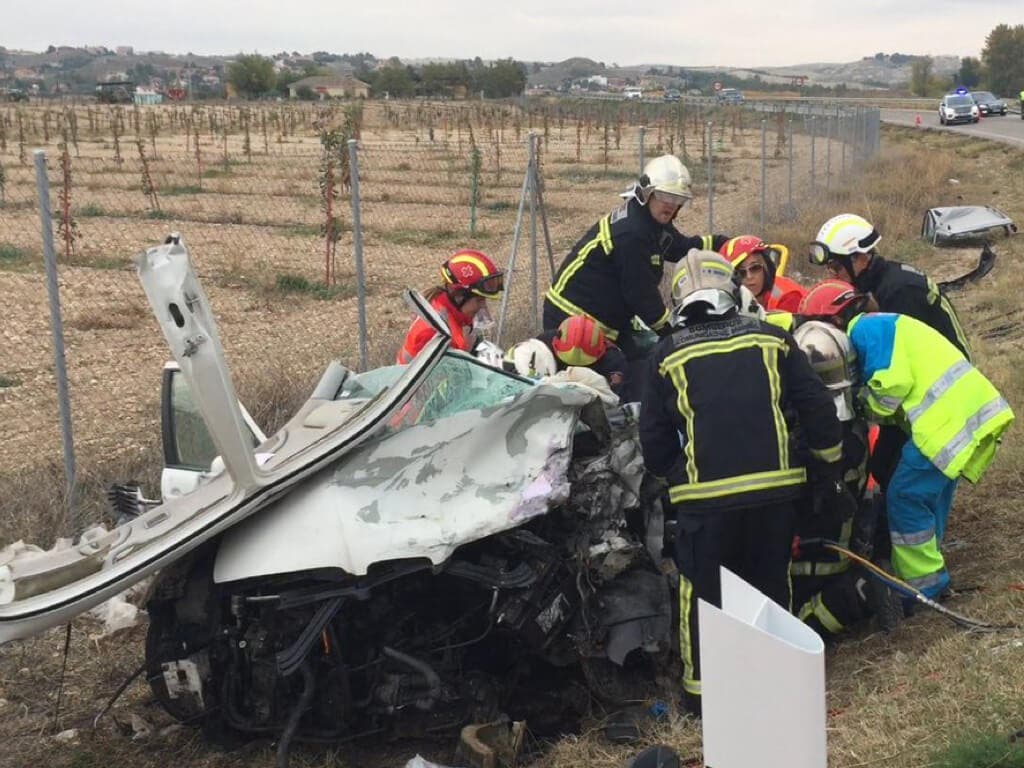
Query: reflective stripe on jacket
<point x="951" y="411"/>
<point x="615" y="270"/>
<point x="714" y="415"/>
<point x="785" y="295"/>
<point x="421" y="332"/>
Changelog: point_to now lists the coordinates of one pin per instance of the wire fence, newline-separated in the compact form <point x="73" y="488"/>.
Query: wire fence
<point x="266" y="200"/>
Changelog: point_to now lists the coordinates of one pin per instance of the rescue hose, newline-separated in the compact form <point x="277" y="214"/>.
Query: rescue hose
<point x="906" y="590"/>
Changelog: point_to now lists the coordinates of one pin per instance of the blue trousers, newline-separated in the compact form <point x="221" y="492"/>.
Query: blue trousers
<point x="918" y="498"/>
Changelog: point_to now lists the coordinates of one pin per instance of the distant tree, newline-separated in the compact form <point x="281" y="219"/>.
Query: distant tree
<point x="1003" y="57"/>
<point x="970" y="71"/>
<point x="305" y="93"/>
<point x="252" y="75"/>
<point x="920" y="75"/>
<point x="395" y="81"/>
<point x="503" y="78"/>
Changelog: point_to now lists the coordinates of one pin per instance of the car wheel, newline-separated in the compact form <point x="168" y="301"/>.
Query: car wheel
<point x="942" y="120"/>
<point x="975" y="120"/>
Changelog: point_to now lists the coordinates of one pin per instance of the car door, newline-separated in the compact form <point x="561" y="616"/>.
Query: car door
<point x="188" y="447"/>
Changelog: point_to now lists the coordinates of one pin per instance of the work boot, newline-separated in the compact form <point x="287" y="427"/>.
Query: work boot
<point x="887" y="606"/>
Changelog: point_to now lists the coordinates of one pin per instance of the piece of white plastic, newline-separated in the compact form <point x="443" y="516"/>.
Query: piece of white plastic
<point x="763" y="683"/>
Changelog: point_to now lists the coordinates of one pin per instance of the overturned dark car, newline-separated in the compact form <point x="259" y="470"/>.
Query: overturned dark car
<point x="417" y="548"/>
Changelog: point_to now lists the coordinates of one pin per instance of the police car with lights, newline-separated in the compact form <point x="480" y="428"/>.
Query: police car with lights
<point x="958" y="107"/>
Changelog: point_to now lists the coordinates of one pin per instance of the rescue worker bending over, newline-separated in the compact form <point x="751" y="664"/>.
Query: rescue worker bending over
<point x="715" y="421"/>
<point x="757" y="264"/>
<point x="613" y="273"/>
<point x="578" y="341"/>
<point x="469" y="278"/>
<point x="846" y="245"/>
<point x="953" y="418"/>
<point x="829" y="594"/>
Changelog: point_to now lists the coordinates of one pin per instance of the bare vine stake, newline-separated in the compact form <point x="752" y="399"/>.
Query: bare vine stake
<point x="199" y="157"/>
<point x="148" y="187"/>
<point x="68" y="228"/>
<point x="116" y="126"/>
<point x="3" y="135"/>
<point x="225" y="144"/>
<point x="266" y="138"/>
<point x="72" y="117"/>
<point x="22" y="156"/>
<point x="46" y="126"/>
<point x="3" y="184"/>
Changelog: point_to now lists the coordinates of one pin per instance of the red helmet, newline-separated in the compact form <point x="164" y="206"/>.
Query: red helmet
<point x="739" y="248"/>
<point x="833" y="298"/>
<point x="475" y="272"/>
<point x="580" y="341"/>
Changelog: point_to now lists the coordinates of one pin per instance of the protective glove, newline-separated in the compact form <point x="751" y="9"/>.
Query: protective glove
<point x="831" y="501"/>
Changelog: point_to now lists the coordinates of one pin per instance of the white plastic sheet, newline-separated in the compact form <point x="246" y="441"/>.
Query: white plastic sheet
<point x="763" y="683"/>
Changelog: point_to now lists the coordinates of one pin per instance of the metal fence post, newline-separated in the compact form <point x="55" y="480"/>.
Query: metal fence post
<point x="57" y="333"/>
<point x="711" y="189"/>
<point x="643" y="133"/>
<point x="790" y="179"/>
<point x="764" y="170"/>
<point x="813" y="135"/>
<point x="534" y="269"/>
<point x="357" y="248"/>
<point x="828" y="153"/>
<point x="510" y="270"/>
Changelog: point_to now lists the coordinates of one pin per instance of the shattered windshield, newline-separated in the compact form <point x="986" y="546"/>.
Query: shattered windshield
<point x="458" y="383"/>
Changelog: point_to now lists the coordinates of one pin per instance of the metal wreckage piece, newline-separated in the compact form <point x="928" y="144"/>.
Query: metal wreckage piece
<point x="415" y="546"/>
<point x="959" y="224"/>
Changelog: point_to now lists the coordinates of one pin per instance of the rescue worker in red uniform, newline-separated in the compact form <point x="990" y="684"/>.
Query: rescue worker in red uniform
<point x="469" y="278"/>
<point x="614" y="272"/>
<point x="724" y="393"/>
<point x="757" y="264"/>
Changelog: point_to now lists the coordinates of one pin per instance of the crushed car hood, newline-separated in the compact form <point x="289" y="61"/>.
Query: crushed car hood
<point x="420" y="493"/>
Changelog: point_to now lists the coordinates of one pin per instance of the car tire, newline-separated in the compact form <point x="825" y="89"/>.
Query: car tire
<point x="942" y="120"/>
<point x="975" y="120"/>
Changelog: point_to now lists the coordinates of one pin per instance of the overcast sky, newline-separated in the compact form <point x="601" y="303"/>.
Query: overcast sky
<point x="727" y="32"/>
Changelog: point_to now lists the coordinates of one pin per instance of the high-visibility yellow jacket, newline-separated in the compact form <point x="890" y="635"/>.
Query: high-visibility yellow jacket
<point x="915" y="376"/>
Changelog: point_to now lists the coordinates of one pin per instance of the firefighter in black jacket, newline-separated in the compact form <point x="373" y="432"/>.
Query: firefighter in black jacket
<point x="613" y="273"/>
<point x="715" y="422"/>
<point x="846" y="247"/>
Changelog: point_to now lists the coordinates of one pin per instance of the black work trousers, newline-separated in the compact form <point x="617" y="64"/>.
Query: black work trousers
<point x="752" y="542"/>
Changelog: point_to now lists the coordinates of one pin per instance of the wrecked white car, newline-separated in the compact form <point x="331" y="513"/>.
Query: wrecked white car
<point x="425" y="545"/>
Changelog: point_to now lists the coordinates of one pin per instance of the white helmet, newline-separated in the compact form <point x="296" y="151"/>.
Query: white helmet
<point x="843" y="235"/>
<point x="832" y="357"/>
<point x="705" y="277"/>
<point x="666" y="175"/>
<point x="532" y="358"/>
<point x="488" y="352"/>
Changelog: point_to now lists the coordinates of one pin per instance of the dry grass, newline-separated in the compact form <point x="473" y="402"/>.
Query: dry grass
<point x="895" y="700"/>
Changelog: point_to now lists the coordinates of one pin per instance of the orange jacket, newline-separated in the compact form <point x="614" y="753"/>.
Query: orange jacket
<point x="785" y="294"/>
<point x="420" y="332"/>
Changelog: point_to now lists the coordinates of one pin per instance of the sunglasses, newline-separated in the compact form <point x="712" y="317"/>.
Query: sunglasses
<point x="752" y="271"/>
<point x="670" y="198"/>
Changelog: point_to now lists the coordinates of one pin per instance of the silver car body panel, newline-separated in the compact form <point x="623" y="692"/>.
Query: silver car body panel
<point x="962" y="222"/>
<point x="42" y="590"/>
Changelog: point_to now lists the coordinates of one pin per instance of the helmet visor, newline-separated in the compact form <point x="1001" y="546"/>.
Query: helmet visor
<point x="819" y="254"/>
<point x="489" y="287"/>
<point x="670" y="198"/>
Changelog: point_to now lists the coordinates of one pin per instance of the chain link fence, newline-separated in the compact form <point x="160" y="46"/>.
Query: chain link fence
<point x="264" y="197"/>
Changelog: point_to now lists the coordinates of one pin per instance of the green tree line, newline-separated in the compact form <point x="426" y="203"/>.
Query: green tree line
<point x="1000" y="68"/>
<point x="253" y="76"/>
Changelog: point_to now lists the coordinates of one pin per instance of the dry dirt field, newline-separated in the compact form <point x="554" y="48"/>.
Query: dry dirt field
<point x="254" y="218"/>
<point x="894" y="699"/>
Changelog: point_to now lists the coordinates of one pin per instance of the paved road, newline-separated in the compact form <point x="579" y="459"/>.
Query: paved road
<point x="1008" y="129"/>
